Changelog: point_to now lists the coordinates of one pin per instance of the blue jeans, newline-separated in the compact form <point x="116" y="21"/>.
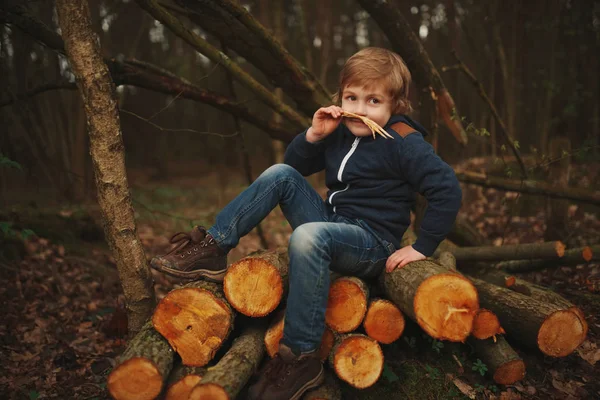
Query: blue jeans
<point x="321" y="241"/>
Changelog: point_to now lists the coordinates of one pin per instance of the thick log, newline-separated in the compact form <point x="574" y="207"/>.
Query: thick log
<point x="142" y="368"/>
<point x="447" y="260"/>
<point x="581" y="255"/>
<point x="546" y="250"/>
<point x="357" y="360"/>
<point x="503" y="363"/>
<point x="442" y="302"/>
<point x="195" y="319"/>
<point x="275" y="333"/>
<point x="532" y="290"/>
<point x="486" y="325"/>
<point x="555" y="331"/>
<point x="182" y="380"/>
<point x="329" y="390"/>
<point x="384" y="321"/>
<point x="530" y="187"/>
<point x="255" y="285"/>
<point x="347" y="304"/>
<point x="227" y="378"/>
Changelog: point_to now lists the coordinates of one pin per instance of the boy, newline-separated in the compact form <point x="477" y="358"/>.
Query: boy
<point x="356" y="231"/>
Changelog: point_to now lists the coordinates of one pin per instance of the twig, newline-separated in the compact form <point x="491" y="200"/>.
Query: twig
<point x="40" y="89"/>
<point x="462" y="66"/>
<point x="372" y="125"/>
<point x="175" y="129"/>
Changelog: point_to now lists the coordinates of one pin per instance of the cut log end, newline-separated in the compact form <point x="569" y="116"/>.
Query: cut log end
<point x="209" y="391"/>
<point x="195" y="322"/>
<point x="136" y="378"/>
<point x="486" y="325"/>
<point x="384" y="321"/>
<point x="253" y="286"/>
<point x="181" y="389"/>
<point x="327" y="342"/>
<point x="561" y="333"/>
<point x="273" y="336"/>
<point x="509" y="281"/>
<point x="445" y="306"/>
<point x="358" y="361"/>
<point x="346" y="306"/>
<point x="560" y="248"/>
<point x="587" y="253"/>
<point x="510" y="372"/>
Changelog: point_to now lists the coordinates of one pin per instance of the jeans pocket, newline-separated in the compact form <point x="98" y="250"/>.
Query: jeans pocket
<point x="370" y="269"/>
<point x="389" y="247"/>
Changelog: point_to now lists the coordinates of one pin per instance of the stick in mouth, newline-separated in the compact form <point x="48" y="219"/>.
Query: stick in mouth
<point x="372" y="125"/>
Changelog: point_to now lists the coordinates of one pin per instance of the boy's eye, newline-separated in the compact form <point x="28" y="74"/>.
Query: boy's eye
<point x="375" y="101"/>
<point x="351" y="98"/>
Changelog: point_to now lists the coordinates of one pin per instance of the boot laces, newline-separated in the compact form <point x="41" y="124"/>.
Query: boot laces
<point x="182" y="240"/>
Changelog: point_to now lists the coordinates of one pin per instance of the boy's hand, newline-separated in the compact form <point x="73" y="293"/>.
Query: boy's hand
<point x="325" y="120"/>
<point x="402" y="257"/>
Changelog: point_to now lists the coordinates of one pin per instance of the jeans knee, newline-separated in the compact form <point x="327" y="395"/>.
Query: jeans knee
<point x="308" y="239"/>
<point x="278" y="171"/>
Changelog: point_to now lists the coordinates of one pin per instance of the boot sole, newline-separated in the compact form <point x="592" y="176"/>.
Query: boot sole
<point x="312" y="384"/>
<point x="209" y="275"/>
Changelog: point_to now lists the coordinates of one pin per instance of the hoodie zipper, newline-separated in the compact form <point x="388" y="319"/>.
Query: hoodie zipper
<point x="341" y="170"/>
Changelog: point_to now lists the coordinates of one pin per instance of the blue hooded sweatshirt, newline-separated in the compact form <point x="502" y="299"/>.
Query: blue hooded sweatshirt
<point x="375" y="181"/>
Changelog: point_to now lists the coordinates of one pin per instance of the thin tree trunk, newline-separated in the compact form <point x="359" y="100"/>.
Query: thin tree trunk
<point x="98" y="94"/>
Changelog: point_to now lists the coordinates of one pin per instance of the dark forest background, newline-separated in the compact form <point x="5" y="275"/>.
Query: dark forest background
<point x="538" y="61"/>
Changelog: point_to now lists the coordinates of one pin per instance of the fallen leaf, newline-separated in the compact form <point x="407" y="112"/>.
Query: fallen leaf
<point x="589" y="352"/>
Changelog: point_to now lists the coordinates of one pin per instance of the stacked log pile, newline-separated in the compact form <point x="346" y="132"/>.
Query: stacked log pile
<point x="196" y="319"/>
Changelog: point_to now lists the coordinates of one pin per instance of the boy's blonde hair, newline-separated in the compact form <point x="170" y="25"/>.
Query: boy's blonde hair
<point x="374" y="65"/>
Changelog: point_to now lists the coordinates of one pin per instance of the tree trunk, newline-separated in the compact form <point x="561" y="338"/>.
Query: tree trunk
<point x="546" y="250"/>
<point x="142" y="368"/>
<point x="556" y="332"/>
<point x="227" y="378"/>
<point x="557" y="210"/>
<point x="106" y="142"/>
<point x="532" y="290"/>
<point x="357" y="360"/>
<point x="255" y="285"/>
<point x="582" y="255"/>
<point x="182" y="380"/>
<point x="195" y="319"/>
<point x="530" y="187"/>
<point x="384" y="321"/>
<point x="347" y="304"/>
<point x="442" y="302"/>
<point x="503" y="363"/>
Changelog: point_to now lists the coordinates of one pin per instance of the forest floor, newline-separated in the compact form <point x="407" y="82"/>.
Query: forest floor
<point x="63" y="322"/>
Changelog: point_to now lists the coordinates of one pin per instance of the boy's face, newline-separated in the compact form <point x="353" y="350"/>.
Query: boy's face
<point x="371" y="101"/>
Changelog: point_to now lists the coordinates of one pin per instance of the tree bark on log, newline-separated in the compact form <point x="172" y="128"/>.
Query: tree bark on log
<point x="407" y="44"/>
<point x="227" y="378"/>
<point x="442" y="302"/>
<point x="384" y="321"/>
<point x="532" y="290"/>
<point x="196" y="320"/>
<point x="255" y="285"/>
<point x="329" y="390"/>
<point x="582" y="255"/>
<point x="241" y="32"/>
<point x="106" y="148"/>
<point x="503" y="363"/>
<point x="142" y="368"/>
<point x="530" y="187"/>
<point x="556" y="332"/>
<point x="546" y="250"/>
<point x="357" y="360"/>
<point x="347" y="304"/>
<point x="182" y="380"/>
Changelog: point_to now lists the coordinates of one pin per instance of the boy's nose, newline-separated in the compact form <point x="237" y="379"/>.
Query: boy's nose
<point x="361" y="109"/>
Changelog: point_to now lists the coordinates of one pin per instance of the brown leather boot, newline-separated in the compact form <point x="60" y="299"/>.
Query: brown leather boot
<point x="195" y="255"/>
<point x="288" y="376"/>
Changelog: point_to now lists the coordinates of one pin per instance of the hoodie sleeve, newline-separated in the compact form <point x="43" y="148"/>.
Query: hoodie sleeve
<point x="307" y="158"/>
<point x="435" y="180"/>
